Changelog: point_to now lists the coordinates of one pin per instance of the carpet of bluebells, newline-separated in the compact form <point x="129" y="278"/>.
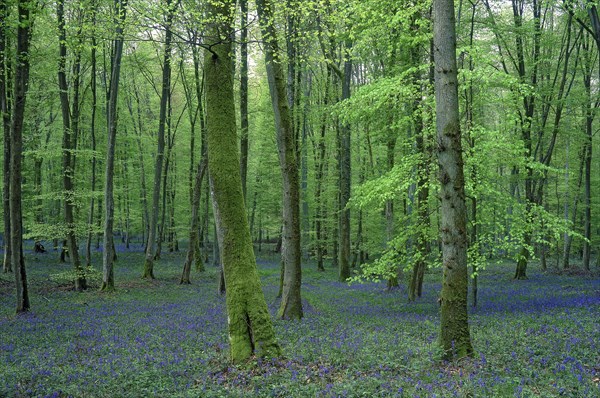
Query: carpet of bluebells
<point x="533" y="338"/>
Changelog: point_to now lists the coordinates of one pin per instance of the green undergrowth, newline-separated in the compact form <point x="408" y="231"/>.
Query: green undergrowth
<point x="533" y="338"/>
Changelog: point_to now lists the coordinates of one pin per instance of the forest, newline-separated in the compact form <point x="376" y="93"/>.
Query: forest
<point x="300" y="198"/>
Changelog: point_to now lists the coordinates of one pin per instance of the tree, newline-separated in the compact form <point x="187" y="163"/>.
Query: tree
<point x="160" y="153"/>
<point x="108" y="257"/>
<point x="291" y="301"/>
<point x="25" y="9"/>
<point x="70" y="116"/>
<point x="6" y="125"/>
<point x="455" y="337"/>
<point x="249" y="323"/>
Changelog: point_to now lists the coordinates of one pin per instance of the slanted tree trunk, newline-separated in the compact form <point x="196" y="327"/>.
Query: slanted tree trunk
<point x="291" y="302"/>
<point x="160" y="153"/>
<point x="108" y="257"/>
<point x="249" y="323"/>
<point x="70" y="116"/>
<point x="24" y="9"/>
<point x="6" y="125"/>
<point x="455" y="336"/>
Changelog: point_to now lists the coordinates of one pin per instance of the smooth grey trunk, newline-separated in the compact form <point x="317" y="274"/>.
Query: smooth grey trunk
<point x="455" y="336"/>
<point x="291" y="302"/>
<point x="94" y="90"/>
<point x="108" y="255"/>
<point x="160" y="152"/>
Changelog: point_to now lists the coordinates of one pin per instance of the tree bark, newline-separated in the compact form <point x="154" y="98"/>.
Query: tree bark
<point x="6" y="125"/>
<point x="345" y="176"/>
<point x="291" y="302"/>
<point x="24" y="8"/>
<point x="160" y="152"/>
<point x="455" y="337"/>
<point x="94" y="90"/>
<point x="70" y="116"/>
<point x="244" y="93"/>
<point x="108" y="257"/>
<point x="193" y="251"/>
<point x="249" y="323"/>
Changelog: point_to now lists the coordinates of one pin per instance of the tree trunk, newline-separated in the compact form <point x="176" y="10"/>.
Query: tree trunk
<point x="345" y="151"/>
<point x="88" y="245"/>
<point x="193" y="249"/>
<point x="108" y="257"/>
<point x="455" y="336"/>
<point x="291" y="302"/>
<point x="249" y="323"/>
<point x="389" y="216"/>
<point x="244" y="93"/>
<point x="24" y="9"/>
<point x="6" y="125"/>
<point x="160" y="152"/>
<point x="70" y="116"/>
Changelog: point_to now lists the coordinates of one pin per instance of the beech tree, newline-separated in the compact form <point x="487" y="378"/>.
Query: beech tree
<point x="25" y="10"/>
<point x="455" y="336"/>
<point x="6" y="125"/>
<point x="70" y="114"/>
<point x="108" y="257"/>
<point x="291" y="301"/>
<point x="249" y="322"/>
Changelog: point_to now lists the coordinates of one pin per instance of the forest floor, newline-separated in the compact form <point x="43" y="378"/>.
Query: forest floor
<point x="534" y="338"/>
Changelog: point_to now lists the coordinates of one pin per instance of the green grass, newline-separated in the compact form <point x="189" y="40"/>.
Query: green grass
<point x="534" y="338"/>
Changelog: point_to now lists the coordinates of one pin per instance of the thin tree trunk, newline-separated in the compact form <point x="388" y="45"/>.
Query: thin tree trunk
<point x="70" y="116"/>
<point x="291" y="302"/>
<point x="94" y="89"/>
<point x="108" y="257"/>
<point x="249" y="323"/>
<point x="345" y="151"/>
<point x="162" y="119"/>
<point x="455" y="336"/>
<point x="193" y="249"/>
<point x="5" y="113"/>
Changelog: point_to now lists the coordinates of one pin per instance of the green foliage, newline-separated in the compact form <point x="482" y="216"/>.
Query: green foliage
<point x="91" y="274"/>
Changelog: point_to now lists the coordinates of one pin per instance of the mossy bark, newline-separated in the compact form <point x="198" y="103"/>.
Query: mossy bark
<point x="454" y="337"/>
<point x="249" y="323"/>
<point x="5" y="115"/>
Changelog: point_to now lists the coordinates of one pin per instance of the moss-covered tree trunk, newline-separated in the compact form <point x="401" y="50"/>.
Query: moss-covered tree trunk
<point x="249" y="322"/>
<point x="291" y="302"/>
<point x="455" y="337"/>
<point x="5" y="115"/>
